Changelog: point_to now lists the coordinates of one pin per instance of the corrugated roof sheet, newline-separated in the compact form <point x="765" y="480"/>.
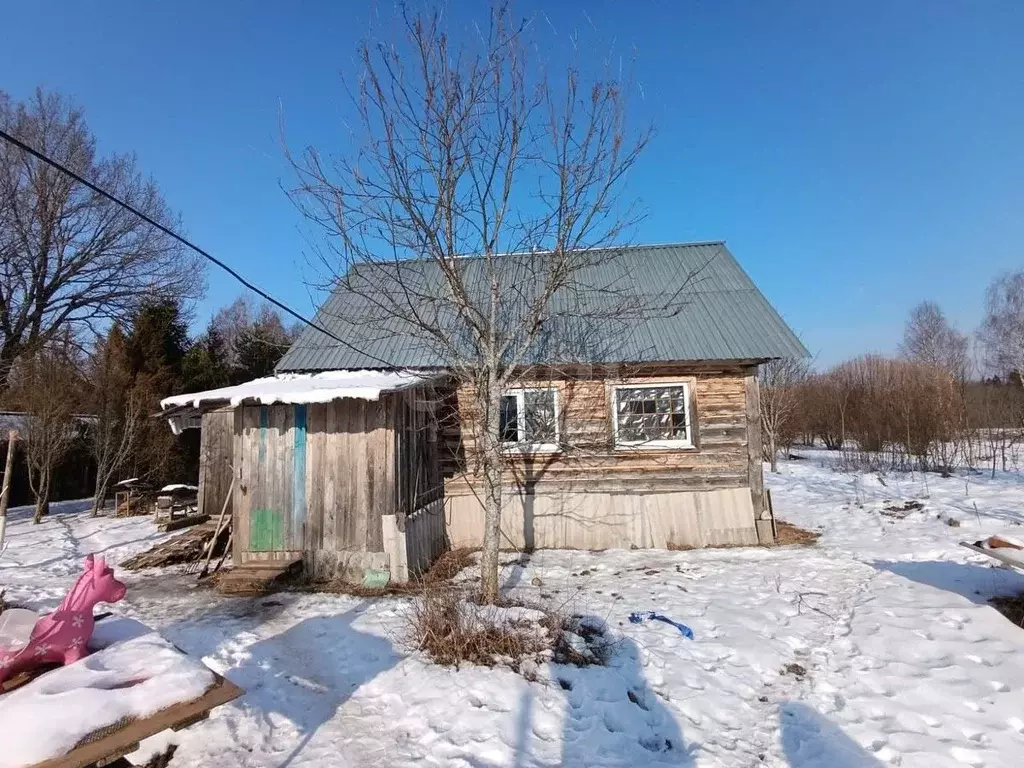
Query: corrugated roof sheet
<point x="660" y="303"/>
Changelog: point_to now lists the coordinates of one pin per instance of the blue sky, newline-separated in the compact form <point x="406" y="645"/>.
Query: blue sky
<point x="856" y="157"/>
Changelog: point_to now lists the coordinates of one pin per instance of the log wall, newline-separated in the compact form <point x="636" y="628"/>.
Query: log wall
<point x="592" y="494"/>
<point x="590" y="461"/>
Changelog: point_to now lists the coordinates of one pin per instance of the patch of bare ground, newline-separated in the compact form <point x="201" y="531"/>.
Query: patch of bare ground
<point x="787" y="533"/>
<point x="441" y="572"/>
<point x="1011" y="607"/>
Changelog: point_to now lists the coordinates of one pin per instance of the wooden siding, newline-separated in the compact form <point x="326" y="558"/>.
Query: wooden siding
<point x="329" y="484"/>
<point x="349" y="474"/>
<point x="590" y="461"/>
<point x="594" y="520"/>
<point x="216" y="460"/>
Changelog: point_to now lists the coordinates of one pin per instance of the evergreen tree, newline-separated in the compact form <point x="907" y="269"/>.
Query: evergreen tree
<point x="205" y="365"/>
<point x="157" y="344"/>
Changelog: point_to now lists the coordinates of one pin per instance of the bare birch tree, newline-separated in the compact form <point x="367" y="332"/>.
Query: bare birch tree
<point x="1002" y="330"/>
<point x="780" y="383"/>
<point x="473" y="149"/>
<point x="930" y="339"/>
<point x="69" y="258"/>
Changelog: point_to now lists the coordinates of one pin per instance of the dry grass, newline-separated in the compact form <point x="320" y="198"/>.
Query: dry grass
<point x="1011" y="607"/>
<point x="453" y="631"/>
<point x="448" y="566"/>
<point x="787" y="533"/>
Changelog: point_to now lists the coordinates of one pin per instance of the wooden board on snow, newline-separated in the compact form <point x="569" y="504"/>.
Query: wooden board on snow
<point x="999" y="554"/>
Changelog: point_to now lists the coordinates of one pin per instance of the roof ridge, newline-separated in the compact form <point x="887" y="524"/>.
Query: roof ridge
<point x="637" y="247"/>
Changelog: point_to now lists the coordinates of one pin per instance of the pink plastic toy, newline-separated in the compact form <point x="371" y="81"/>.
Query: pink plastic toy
<point x="63" y="636"/>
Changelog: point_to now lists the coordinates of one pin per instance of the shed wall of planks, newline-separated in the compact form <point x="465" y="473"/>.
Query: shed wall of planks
<point x="326" y="473"/>
<point x="216" y="456"/>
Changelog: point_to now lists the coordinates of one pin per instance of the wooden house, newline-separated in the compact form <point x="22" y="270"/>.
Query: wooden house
<point x="637" y="431"/>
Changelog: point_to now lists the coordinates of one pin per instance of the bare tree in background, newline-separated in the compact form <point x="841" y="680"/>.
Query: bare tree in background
<point x="472" y="150"/>
<point x="119" y="410"/>
<point x="1002" y="330"/>
<point x="71" y="260"/>
<point x="780" y="383"/>
<point x="44" y="386"/>
<point x="930" y="339"/>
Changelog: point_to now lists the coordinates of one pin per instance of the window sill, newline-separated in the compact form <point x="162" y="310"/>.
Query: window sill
<point x="530" y="449"/>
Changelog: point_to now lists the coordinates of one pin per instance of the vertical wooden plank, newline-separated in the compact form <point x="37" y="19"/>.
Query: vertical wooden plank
<point x="357" y="475"/>
<point x="298" y="507"/>
<point x="327" y="459"/>
<point x="239" y="512"/>
<point x="376" y="492"/>
<point x="755" y="467"/>
<point x="342" y="461"/>
<point x="283" y="469"/>
<point x="314" y="477"/>
<point x="204" y="463"/>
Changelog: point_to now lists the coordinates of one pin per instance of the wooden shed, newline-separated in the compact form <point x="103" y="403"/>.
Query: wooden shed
<point x="330" y="469"/>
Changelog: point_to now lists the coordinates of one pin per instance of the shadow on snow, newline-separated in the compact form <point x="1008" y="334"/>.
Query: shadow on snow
<point x="976" y="582"/>
<point x="811" y="740"/>
<point x="303" y="674"/>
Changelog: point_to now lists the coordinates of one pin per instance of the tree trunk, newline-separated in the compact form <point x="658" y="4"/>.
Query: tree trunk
<point x="100" y="495"/>
<point x="42" y="497"/>
<point x="773" y="451"/>
<point x="5" y="494"/>
<point x="492" y="468"/>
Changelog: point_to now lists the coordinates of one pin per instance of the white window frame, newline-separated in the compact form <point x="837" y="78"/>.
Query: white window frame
<point x="521" y="446"/>
<point x="655" y="445"/>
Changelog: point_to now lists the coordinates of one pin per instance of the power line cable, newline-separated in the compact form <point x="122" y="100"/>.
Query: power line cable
<point x="171" y="233"/>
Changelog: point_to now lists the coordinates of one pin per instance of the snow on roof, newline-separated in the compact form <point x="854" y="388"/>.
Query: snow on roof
<point x="304" y="388"/>
<point x="178" y="487"/>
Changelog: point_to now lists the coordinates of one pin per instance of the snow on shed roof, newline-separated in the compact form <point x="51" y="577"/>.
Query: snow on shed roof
<point x="304" y="388"/>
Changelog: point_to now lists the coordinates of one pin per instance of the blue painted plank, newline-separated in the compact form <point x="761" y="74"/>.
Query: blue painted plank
<point x="299" y="479"/>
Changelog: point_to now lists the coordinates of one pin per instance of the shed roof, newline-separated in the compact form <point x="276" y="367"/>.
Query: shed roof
<point x="709" y="309"/>
<point x="301" y="388"/>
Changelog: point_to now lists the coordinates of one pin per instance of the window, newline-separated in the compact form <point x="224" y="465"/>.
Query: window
<point x="653" y="416"/>
<point x="529" y="418"/>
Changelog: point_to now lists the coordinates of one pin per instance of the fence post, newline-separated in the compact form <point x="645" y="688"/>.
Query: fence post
<point x="5" y="494"/>
<point x="395" y="547"/>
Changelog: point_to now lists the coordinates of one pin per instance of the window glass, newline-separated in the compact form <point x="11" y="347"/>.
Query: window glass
<point x="529" y="416"/>
<point x="539" y="412"/>
<point x="509" y="419"/>
<point x="648" y="414"/>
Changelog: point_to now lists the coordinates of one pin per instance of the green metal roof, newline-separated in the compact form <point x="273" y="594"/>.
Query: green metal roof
<point x="689" y="302"/>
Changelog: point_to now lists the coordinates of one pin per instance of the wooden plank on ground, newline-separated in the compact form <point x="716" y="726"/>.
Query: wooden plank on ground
<point x="996" y="554"/>
<point x="121" y="741"/>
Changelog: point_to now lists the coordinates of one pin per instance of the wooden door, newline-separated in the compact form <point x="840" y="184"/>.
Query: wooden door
<point x="272" y="480"/>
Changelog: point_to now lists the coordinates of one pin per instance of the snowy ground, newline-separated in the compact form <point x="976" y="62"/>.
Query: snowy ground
<point x="905" y="662"/>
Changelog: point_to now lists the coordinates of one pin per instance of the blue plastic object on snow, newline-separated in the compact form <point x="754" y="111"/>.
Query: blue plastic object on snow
<point x="640" y="616"/>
